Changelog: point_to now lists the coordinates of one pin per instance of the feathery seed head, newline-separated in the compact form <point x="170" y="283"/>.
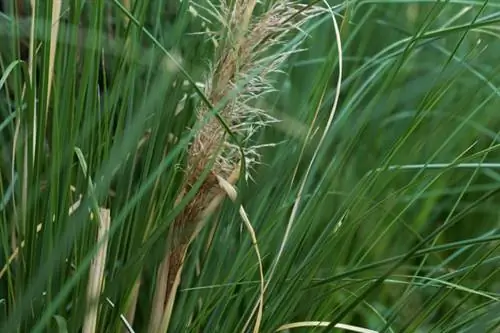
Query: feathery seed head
<point x="245" y="65"/>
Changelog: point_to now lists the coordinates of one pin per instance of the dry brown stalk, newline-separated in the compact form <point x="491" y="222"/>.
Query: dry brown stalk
<point x="182" y="232"/>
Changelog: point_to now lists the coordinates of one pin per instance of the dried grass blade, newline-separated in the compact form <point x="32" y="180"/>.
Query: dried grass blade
<point x="96" y="273"/>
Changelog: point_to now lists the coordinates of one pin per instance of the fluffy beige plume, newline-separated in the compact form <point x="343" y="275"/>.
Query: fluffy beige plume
<point x="247" y="56"/>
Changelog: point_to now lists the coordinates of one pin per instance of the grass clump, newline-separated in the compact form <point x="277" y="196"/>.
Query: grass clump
<point x="357" y="143"/>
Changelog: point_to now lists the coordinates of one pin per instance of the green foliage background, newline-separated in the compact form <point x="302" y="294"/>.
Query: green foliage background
<point x="397" y="228"/>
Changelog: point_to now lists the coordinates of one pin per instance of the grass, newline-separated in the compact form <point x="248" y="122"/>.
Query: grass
<point x="211" y="166"/>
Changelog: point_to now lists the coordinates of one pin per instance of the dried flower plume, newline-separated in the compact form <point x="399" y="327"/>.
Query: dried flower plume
<point x="248" y="55"/>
